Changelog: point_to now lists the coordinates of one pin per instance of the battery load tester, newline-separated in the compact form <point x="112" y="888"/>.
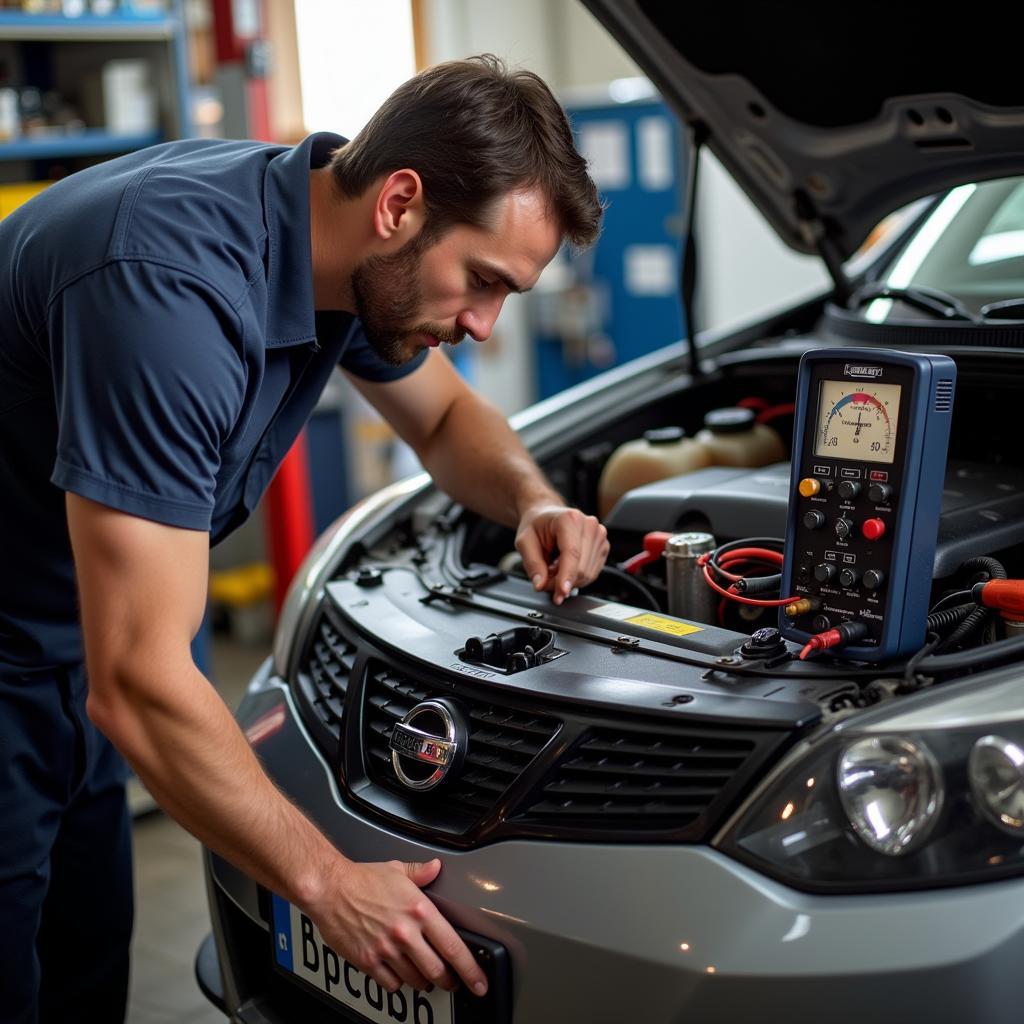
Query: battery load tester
<point x="869" y="456"/>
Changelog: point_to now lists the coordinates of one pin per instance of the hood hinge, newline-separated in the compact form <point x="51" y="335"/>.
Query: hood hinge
<point x="816" y="233"/>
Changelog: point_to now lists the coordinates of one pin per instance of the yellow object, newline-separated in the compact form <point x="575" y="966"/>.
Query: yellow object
<point x="12" y="196"/>
<point x="661" y="624"/>
<point x="246" y="585"/>
<point x="809" y="486"/>
<point x="799" y="607"/>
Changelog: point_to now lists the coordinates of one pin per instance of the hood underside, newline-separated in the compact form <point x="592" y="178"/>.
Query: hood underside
<point x="830" y="119"/>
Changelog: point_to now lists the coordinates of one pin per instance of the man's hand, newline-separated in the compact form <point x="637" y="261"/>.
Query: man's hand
<point x="561" y="548"/>
<point x="377" y="918"/>
<point x="142" y="587"/>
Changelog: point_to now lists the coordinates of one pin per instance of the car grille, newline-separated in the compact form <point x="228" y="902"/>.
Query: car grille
<point x="643" y="780"/>
<point x="324" y="680"/>
<point x="502" y="741"/>
<point x="544" y="770"/>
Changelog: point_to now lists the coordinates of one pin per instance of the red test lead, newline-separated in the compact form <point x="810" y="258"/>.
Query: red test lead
<point x="844" y="633"/>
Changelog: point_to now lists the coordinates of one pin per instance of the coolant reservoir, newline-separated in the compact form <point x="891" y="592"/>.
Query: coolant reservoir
<point x="732" y="437"/>
<point x="658" y="454"/>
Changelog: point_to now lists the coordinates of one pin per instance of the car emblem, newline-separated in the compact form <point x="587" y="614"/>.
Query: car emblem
<point x="427" y="744"/>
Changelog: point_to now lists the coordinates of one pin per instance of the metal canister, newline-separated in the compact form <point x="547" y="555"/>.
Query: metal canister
<point x="689" y="596"/>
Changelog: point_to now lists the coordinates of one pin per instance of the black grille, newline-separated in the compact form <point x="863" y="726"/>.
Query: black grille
<point x="502" y="742"/>
<point x="641" y="780"/>
<point x="944" y="396"/>
<point x="324" y="677"/>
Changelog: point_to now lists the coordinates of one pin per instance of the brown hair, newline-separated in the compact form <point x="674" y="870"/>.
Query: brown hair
<point x="474" y="131"/>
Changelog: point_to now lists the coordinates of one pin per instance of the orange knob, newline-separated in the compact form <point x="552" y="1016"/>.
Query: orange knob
<point x="809" y="486"/>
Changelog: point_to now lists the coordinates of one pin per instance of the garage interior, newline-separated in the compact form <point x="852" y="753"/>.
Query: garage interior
<point x="85" y="80"/>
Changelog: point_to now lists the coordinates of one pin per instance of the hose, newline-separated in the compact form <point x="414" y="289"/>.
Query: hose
<point x="642" y="595"/>
<point x="949" y="618"/>
<point x="991" y="569"/>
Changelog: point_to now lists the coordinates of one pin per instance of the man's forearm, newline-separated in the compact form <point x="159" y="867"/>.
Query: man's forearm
<point x="193" y="758"/>
<point x="476" y="457"/>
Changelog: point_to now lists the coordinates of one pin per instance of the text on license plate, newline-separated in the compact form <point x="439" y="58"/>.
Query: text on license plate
<point x="301" y="950"/>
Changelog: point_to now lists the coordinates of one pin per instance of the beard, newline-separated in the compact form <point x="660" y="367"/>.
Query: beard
<point x="388" y="296"/>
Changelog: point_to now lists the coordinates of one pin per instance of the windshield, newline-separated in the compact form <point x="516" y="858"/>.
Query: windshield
<point x="970" y="247"/>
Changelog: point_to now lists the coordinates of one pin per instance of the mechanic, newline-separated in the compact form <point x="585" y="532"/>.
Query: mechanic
<point x="169" y="319"/>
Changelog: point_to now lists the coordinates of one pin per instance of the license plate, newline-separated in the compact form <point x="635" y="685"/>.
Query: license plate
<point x="300" y="950"/>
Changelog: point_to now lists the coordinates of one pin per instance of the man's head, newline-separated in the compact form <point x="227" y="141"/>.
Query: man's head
<point x="489" y="154"/>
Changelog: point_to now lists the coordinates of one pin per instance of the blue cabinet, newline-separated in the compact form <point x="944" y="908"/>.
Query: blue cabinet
<point x="57" y="62"/>
<point x="621" y="299"/>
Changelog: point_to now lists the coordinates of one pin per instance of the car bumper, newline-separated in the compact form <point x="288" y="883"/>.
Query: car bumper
<point x="650" y="933"/>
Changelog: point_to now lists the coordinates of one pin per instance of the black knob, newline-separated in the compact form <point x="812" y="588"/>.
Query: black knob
<point x="874" y="579"/>
<point x="820" y="623"/>
<point x="848" y="577"/>
<point x="848" y="490"/>
<point x="814" y="520"/>
<point x="369" y="577"/>
<point x="803" y="574"/>
<point x="843" y="527"/>
<point x="879" y="494"/>
<point x="764" y="643"/>
<point x="824" y="572"/>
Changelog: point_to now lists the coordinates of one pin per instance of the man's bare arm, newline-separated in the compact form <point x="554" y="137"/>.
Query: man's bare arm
<point x="142" y="589"/>
<point x="471" y="452"/>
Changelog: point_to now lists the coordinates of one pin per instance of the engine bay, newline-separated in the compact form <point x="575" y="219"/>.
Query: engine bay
<point x="982" y="517"/>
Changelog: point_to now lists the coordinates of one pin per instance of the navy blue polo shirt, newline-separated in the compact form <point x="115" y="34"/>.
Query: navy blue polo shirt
<point x="159" y="352"/>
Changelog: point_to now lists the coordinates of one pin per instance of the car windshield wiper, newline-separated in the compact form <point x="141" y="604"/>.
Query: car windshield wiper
<point x="931" y="300"/>
<point x="1006" y="309"/>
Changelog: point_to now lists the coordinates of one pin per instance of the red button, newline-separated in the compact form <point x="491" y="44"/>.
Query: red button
<point x="873" y="528"/>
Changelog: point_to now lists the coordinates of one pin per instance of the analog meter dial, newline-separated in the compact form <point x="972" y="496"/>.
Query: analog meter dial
<point x="857" y="422"/>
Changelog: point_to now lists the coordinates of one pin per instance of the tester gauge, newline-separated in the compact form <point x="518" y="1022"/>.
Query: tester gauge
<point x="869" y="455"/>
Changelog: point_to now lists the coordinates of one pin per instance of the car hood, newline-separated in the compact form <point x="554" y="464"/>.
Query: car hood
<point x="830" y="119"/>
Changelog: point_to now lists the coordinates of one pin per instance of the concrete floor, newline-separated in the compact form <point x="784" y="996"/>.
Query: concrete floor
<point x="170" y="899"/>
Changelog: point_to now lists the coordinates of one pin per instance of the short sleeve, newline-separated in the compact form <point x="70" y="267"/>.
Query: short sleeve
<point x="360" y="359"/>
<point x="148" y="384"/>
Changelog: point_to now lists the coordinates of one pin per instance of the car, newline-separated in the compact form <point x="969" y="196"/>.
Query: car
<point x="656" y="802"/>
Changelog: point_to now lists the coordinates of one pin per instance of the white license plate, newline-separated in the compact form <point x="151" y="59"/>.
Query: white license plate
<point x="300" y="950"/>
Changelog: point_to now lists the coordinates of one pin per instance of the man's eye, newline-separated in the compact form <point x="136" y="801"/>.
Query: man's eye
<point x="479" y="282"/>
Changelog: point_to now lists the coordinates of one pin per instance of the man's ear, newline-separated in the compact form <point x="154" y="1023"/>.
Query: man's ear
<point x="399" y="212"/>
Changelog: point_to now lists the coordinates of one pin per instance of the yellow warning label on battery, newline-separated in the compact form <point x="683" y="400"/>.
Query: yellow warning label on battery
<point x="664" y="625"/>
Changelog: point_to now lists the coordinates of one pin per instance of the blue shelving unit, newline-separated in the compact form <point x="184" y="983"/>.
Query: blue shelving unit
<point x="18" y="25"/>
<point x="91" y="142"/>
<point x="43" y="39"/>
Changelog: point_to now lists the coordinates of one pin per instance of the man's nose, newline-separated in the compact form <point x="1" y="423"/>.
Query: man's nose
<point x="478" y="321"/>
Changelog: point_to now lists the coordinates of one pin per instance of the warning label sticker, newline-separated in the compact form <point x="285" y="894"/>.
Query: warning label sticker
<point x="663" y="624"/>
<point x="648" y="620"/>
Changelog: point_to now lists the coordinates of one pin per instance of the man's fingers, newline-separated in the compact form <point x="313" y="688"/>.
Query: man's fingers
<point x="431" y="966"/>
<point x="410" y="974"/>
<point x="452" y="949"/>
<point x="570" y="553"/>
<point x="384" y="976"/>
<point x="534" y="558"/>
<point x="423" y="874"/>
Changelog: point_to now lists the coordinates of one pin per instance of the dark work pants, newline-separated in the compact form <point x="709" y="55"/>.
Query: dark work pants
<point x="65" y="856"/>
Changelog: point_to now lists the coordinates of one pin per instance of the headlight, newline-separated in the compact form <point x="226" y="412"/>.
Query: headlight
<point x="996" y="770"/>
<point x="921" y="792"/>
<point x="323" y="558"/>
<point x="891" y="791"/>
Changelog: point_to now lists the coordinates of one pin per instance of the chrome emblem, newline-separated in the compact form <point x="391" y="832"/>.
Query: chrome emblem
<point x="427" y="743"/>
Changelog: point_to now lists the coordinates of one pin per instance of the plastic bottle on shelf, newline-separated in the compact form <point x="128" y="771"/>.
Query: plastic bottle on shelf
<point x="660" y="453"/>
<point x="733" y="437"/>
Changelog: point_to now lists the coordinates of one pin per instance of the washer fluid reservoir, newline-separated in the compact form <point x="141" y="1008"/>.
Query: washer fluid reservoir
<point x="660" y="453"/>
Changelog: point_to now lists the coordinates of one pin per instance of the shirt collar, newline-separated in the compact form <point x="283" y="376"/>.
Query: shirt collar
<point x="290" y="312"/>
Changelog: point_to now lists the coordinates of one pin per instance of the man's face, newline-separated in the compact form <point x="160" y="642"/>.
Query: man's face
<point x="419" y="297"/>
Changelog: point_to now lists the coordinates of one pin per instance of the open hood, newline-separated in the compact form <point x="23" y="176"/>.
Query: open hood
<point x="831" y="118"/>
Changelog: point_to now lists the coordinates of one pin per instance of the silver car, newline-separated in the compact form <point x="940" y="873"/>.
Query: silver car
<point x="648" y="807"/>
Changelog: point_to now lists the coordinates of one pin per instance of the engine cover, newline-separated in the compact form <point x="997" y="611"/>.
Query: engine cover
<point x="982" y="508"/>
